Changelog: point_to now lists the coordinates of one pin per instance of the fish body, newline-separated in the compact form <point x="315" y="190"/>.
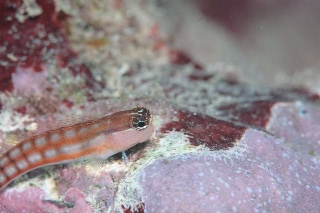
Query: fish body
<point x="99" y="138"/>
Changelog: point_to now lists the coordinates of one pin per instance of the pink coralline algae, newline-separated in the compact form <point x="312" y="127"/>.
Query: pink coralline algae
<point x="269" y="176"/>
<point x="77" y="199"/>
<point x="219" y="145"/>
<point x="34" y="200"/>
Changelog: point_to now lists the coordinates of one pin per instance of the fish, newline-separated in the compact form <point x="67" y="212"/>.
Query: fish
<point x="93" y="139"/>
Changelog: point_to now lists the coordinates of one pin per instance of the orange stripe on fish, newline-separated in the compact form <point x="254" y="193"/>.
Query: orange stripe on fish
<point x="99" y="138"/>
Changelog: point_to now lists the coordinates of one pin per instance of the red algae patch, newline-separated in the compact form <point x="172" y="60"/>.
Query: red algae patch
<point x="255" y="113"/>
<point x="31" y="38"/>
<point x="205" y="130"/>
<point x="140" y="209"/>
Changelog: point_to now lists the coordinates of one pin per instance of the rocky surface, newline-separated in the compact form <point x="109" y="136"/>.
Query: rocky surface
<point x="220" y="144"/>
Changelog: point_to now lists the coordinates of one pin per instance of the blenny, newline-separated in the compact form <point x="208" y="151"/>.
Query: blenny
<point x="99" y="138"/>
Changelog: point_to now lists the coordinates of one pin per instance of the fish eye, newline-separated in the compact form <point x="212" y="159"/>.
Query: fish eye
<point x="140" y="122"/>
<point x="142" y="119"/>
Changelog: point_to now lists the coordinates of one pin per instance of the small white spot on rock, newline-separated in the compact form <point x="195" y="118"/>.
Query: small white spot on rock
<point x="249" y="190"/>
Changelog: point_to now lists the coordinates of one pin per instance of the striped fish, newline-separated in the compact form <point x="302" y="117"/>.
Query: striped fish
<point x="99" y="138"/>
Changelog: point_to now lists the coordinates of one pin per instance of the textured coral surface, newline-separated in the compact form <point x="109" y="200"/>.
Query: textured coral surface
<point x="222" y="142"/>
